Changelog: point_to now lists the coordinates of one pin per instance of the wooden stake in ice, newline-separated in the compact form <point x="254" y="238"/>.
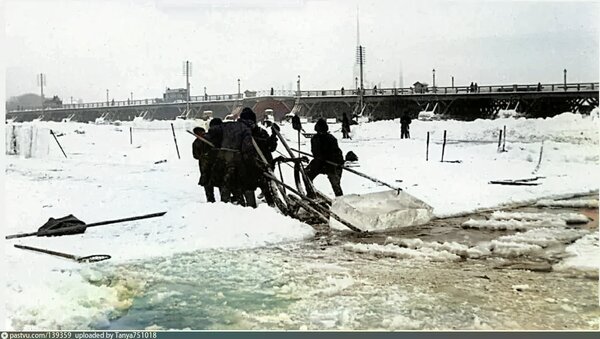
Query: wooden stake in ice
<point x="499" y="140"/>
<point x="537" y="167"/>
<point x="55" y="138"/>
<point x="444" y="146"/>
<point x="175" y="138"/>
<point x="427" y="149"/>
<point x="504" y="140"/>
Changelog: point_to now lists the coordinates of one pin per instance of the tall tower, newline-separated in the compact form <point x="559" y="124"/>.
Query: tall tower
<point x="356" y="68"/>
<point x="400" y="77"/>
<point x="187" y="71"/>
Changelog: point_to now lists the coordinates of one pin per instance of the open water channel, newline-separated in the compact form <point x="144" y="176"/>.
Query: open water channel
<point x="319" y="285"/>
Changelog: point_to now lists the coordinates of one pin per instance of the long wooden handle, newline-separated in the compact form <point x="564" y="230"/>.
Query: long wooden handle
<point x="64" y="255"/>
<point x="100" y="223"/>
<point x="353" y="171"/>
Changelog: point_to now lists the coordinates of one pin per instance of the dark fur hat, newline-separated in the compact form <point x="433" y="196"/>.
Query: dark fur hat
<point x="321" y="126"/>
<point x="248" y="114"/>
<point x="215" y="122"/>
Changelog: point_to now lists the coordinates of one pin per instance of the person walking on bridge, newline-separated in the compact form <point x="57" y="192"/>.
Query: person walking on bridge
<point x="324" y="148"/>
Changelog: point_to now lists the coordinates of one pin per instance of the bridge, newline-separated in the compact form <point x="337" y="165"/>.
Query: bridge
<point x="459" y="102"/>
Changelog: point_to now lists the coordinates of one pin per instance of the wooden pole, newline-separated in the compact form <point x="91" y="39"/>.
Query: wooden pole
<point x="55" y="138"/>
<point x="100" y="223"/>
<point x="312" y="205"/>
<point x="175" y="138"/>
<point x="281" y="175"/>
<point x="500" y="140"/>
<point x="131" y="135"/>
<point x="427" y="149"/>
<point x="91" y="258"/>
<point x="298" y="143"/>
<point x="504" y="140"/>
<point x="444" y="146"/>
<point x="351" y="170"/>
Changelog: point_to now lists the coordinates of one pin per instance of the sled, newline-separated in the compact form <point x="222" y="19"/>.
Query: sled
<point x="381" y="210"/>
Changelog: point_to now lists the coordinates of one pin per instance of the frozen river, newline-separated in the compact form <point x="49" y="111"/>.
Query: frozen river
<point x="218" y="266"/>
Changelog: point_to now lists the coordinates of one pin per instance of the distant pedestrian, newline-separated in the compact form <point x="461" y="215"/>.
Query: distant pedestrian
<point x="326" y="152"/>
<point x="374" y="89"/>
<point x="405" y="126"/>
<point x="272" y="91"/>
<point x="296" y="124"/>
<point x="539" y="87"/>
<point x="342" y="90"/>
<point x="345" y="127"/>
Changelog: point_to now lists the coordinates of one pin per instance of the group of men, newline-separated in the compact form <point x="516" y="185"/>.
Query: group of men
<point x="229" y="158"/>
<point x="233" y="156"/>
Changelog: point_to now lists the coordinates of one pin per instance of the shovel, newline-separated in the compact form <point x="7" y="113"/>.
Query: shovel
<point x="71" y="225"/>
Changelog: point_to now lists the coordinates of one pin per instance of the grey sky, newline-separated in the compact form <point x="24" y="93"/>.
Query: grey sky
<point x="85" y="47"/>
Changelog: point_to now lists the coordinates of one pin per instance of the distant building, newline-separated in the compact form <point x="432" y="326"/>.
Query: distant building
<point x="250" y="94"/>
<point x="175" y="94"/>
<point x="421" y="87"/>
<point x="55" y="102"/>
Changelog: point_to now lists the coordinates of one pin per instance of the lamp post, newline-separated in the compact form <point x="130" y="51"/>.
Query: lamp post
<point x="42" y="81"/>
<point x="433" y="74"/>
<point x="453" y="81"/>
<point x="107" y="101"/>
<point x="565" y="78"/>
<point x="239" y="89"/>
<point x="298" y="83"/>
<point x="205" y="96"/>
<point x="131" y="93"/>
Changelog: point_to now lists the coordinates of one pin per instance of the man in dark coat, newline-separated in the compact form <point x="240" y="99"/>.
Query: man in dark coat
<point x="215" y="135"/>
<point x="404" y="126"/>
<point x="345" y="126"/>
<point x="202" y="151"/>
<point x="235" y="145"/>
<point x="324" y="147"/>
<point x="267" y="144"/>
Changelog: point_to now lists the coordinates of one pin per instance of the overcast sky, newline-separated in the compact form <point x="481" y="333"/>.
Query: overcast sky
<point x="86" y="47"/>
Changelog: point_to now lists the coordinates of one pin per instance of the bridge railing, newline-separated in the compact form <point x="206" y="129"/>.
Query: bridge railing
<point x="485" y="89"/>
<point x="219" y="97"/>
<point x="558" y="87"/>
